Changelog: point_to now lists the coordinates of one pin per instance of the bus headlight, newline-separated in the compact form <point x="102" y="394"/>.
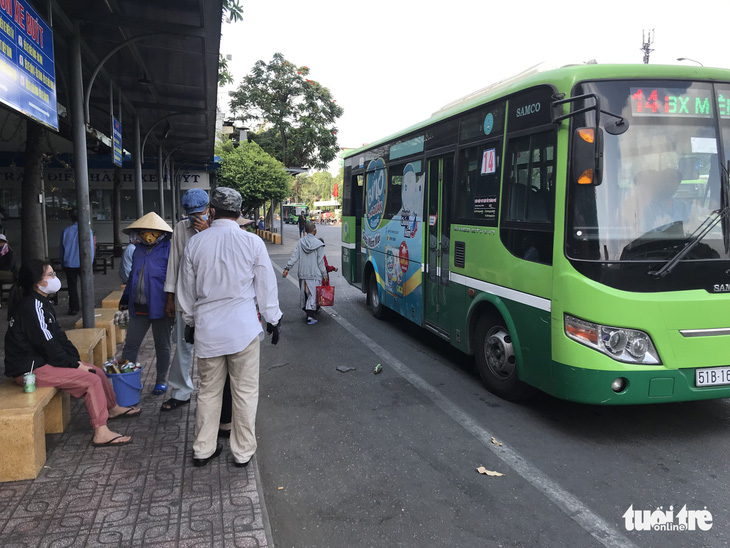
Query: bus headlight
<point x="622" y="344"/>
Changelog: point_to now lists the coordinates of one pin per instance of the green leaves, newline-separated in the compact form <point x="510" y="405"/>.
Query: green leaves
<point x="255" y="174"/>
<point x="295" y="115"/>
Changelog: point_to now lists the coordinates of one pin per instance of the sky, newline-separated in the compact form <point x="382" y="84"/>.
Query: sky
<point x="392" y="63"/>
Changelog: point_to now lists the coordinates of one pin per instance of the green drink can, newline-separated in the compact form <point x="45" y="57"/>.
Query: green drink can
<point x="29" y="382"/>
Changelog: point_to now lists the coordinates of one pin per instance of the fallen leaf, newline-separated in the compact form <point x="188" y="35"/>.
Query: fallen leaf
<point x="495" y="442"/>
<point x="484" y="471"/>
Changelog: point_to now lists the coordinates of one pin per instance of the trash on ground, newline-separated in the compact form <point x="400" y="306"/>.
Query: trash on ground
<point x="344" y="368"/>
<point x="495" y="442"/>
<point x="486" y="472"/>
<point x="378" y="369"/>
<point x="280" y="488"/>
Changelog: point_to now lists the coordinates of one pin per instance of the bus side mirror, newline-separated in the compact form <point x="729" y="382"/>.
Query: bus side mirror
<point x="586" y="166"/>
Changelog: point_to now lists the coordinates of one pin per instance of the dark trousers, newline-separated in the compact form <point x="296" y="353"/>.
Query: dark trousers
<point x="72" y="278"/>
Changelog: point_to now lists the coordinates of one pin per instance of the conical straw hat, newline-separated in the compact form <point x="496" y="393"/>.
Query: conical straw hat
<point x="151" y="221"/>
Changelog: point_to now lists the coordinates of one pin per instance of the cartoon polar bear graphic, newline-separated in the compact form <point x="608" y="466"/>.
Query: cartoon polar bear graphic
<point x="411" y="210"/>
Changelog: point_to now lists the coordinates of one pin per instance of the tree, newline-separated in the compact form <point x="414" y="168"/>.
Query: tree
<point x="232" y="12"/>
<point x="295" y="116"/>
<point x="255" y="174"/>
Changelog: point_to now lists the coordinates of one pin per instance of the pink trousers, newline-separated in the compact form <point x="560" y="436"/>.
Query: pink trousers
<point x="95" y="387"/>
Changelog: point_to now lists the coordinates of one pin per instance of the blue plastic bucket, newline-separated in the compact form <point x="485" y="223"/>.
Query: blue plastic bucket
<point x="127" y="387"/>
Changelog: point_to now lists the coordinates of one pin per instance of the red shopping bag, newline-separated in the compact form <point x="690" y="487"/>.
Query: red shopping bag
<point x="325" y="294"/>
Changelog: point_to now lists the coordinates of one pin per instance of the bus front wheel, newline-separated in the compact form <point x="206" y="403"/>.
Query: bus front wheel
<point x="376" y="306"/>
<point x="496" y="360"/>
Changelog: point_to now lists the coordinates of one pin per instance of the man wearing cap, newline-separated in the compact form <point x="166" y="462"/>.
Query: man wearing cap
<point x="195" y="204"/>
<point x="225" y="272"/>
<point x="144" y="294"/>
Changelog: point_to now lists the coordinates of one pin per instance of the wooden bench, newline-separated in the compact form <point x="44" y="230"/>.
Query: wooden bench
<point x="104" y="317"/>
<point x="91" y="344"/>
<point x="25" y="419"/>
<point x="112" y="300"/>
<point x="102" y="261"/>
<point x="5" y="290"/>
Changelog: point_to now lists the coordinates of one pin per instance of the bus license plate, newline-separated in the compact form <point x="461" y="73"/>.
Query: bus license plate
<point x="712" y="376"/>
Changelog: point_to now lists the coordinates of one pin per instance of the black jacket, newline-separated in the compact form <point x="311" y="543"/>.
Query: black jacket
<point x="34" y="335"/>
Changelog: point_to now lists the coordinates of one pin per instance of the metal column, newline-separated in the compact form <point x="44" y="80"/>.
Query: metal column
<point x="160" y="185"/>
<point x="81" y="168"/>
<point x="137" y="161"/>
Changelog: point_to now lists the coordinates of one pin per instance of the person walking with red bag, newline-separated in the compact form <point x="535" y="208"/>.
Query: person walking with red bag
<point x="311" y="271"/>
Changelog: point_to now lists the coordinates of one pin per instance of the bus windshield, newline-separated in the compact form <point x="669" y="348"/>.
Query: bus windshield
<point x="662" y="178"/>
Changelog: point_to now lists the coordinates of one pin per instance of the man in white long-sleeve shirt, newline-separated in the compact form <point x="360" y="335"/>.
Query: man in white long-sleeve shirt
<point x="224" y="270"/>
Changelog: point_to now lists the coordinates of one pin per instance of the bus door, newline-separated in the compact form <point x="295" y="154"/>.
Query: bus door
<point x="436" y="256"/>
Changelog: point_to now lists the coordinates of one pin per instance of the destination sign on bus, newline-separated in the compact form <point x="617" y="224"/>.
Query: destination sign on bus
<point x="677" y="102"/>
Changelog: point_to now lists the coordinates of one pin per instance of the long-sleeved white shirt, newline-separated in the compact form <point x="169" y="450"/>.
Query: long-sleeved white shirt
<point x="224" y="268"/>
<point x="181" y="235"/>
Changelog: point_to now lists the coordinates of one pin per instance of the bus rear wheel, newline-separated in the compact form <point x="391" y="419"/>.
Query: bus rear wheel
<point x="496" y="360"/>
<point x="376" y="306"/>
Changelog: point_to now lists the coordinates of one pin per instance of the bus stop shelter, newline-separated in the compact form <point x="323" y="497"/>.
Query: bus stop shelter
<point x="143" y="72"/>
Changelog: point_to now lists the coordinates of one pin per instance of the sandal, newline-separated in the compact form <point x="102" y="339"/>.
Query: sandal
<point x="159" y="389"/>
<point x="172" y="403"/>
<point x="112" y="442"/>
<point x="129" y="413"/>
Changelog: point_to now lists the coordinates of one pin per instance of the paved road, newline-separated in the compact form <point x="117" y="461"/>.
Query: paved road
<point x="357" y="459"/>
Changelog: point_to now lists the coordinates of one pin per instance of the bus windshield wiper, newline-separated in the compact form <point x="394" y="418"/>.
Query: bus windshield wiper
<point x="708" y="224"/>
<point x="705" y="227"/>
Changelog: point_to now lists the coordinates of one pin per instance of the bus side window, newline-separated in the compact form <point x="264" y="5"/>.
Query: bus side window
<point x="395" y="186"/>
<point x="527" y="229"/>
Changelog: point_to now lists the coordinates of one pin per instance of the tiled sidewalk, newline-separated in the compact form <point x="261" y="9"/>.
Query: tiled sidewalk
<point x="146" y="493"/>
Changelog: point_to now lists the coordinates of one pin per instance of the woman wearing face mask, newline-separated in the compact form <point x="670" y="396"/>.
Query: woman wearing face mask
<point x="144" y="294"/>
<point x="34" y="340"/>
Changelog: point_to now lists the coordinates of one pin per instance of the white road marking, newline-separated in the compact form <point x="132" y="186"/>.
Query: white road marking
<point x="576" y="510"/>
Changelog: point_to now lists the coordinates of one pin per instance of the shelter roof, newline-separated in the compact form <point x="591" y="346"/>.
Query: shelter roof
<point x="165" y="68"/>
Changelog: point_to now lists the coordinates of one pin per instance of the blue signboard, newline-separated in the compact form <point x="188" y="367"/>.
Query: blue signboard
<point x="117" y="142"/>
<point x="27" y="72"/>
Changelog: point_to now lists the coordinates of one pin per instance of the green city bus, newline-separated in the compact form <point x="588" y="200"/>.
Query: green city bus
<point x="567" y="227"/>
<point x="292" y="212"/>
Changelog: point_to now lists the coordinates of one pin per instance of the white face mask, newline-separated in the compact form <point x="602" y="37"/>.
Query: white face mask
<point x="53" y="286"/>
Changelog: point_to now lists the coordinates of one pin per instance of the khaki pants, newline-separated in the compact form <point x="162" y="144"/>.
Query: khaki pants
<point x="243" y="367"/>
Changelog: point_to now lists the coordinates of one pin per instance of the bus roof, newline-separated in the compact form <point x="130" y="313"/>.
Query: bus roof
<point x="563" y="77"/>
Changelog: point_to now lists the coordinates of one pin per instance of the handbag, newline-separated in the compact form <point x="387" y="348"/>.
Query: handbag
<point x="325" y="293"/>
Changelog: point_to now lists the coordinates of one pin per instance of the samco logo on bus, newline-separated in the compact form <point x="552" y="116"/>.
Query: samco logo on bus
<point x="376" y="193"/>
<point x="534" y="108"/>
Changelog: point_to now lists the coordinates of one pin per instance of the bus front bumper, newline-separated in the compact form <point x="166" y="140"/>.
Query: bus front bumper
<point x="647" y="386"/>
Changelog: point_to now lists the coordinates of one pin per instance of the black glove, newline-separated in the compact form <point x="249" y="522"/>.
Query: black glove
<point x="189" y="334"/>
<point x="273" y="330"/>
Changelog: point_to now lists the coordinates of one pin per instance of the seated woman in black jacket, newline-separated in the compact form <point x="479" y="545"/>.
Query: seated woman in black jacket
<point x="35" y="340"/>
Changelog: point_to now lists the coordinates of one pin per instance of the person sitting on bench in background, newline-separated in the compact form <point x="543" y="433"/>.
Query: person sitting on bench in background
<point x="8" y="265"/>
<point x="35" y="341"/>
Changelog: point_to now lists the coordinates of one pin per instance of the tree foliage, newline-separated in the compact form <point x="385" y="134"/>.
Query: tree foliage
<point x="224" y="75"/>
<point x="258" y="176"/>
<point x="295" y="116"/>
<point x="232" y="12"/>
<point x="318" y="186"/>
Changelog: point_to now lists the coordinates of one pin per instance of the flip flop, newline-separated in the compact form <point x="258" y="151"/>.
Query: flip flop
<point x="159" y="389"/>
<point x="173" y="403"/>
<point x="111" y="442"/>
<point x="127" y="414"/>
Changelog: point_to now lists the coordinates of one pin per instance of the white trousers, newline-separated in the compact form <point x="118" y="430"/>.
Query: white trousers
<point x="243" y="367"/>
<point x="179" y="376"/>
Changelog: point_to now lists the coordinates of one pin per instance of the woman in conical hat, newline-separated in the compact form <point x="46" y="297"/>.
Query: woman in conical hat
<point x="144" y="294"/>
